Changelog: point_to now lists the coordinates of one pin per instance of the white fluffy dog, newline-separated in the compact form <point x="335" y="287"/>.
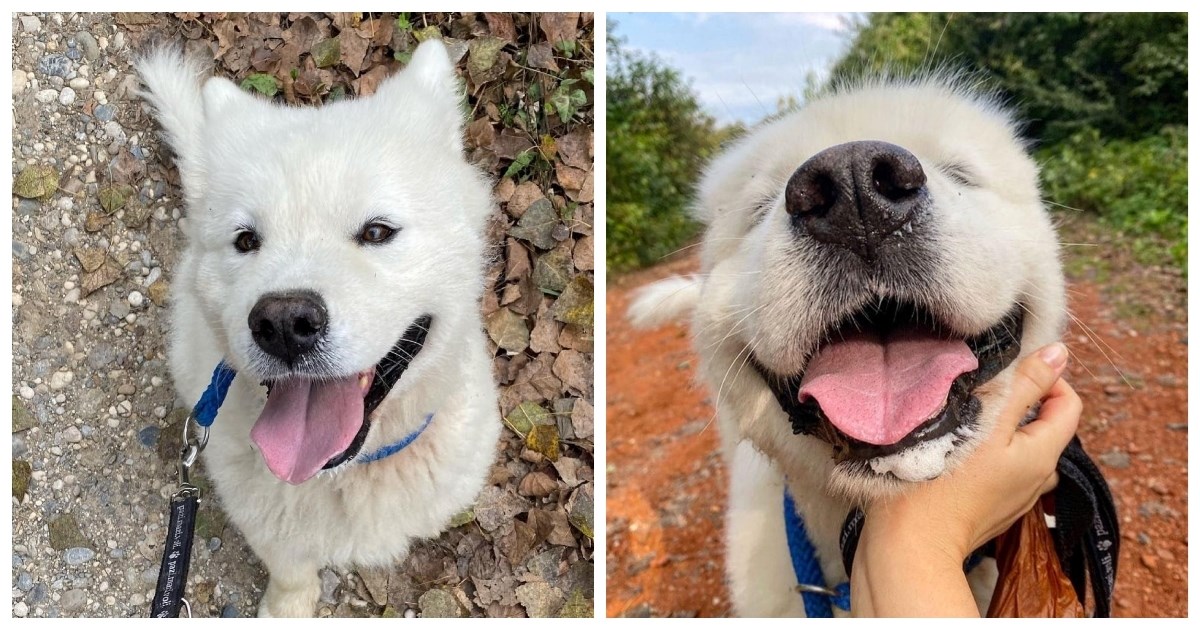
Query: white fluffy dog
<point x="873" y="265"/>
<point x="334" y="259"/>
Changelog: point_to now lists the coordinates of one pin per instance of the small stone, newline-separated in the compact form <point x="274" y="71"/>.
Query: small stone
<point x="20" y="609"/>
<point x="119" y="309"/>
<point x="67" y="96"/>
<point x="329" y="584"/>
<point x="78" y="83"/>
<point x="78" y="555"/>
<point x="24" y="581"/>
<point x="1150" y="561"/>
<point x="30" y="24"/>
<point x="59" y="380"/>
<point x="73" y="600"/>
<point x="148" y="436"/>
<point x="214" y="544"/>
<point x="135" y="299"/>
<point x="46" y="96"/>
<point x="118" y="40"/>
<point x="19" y="80"/>
<point x="229" y="611"/>
<point x="1115" y="459"/>
<point x="72" y="435"/>
<point x="104" y="113"/>
<point x="91" y="49"/>
<point x="56" y="65"/>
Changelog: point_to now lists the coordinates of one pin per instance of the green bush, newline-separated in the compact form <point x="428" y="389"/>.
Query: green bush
<point x="658" y="140"/>
<point x="1137" y="186"/>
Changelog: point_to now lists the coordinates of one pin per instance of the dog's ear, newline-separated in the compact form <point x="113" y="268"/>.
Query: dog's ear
<point x="431" y="74"/>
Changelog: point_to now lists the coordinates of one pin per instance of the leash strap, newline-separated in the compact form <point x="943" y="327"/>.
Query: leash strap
<point x="1086" y="535"/>
<point x="1086" y="531"/>
<point x="205" y="411"/>
<point x="172" y="575"/>
<point x="818" y="598"/>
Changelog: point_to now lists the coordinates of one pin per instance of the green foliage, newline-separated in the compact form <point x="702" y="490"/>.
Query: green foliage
<point x="658" y="140"/>
<point x="1124" y="74"/>
<point x="1139" y="187"/>
<point x="262" y="83"/>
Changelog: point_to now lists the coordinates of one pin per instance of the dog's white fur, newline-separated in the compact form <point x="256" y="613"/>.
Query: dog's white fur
<point x="759" y="290"/>
<point x="308" y="179"/>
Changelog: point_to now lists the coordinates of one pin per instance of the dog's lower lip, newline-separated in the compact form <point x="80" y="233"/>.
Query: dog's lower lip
<point x="995" y="349"/>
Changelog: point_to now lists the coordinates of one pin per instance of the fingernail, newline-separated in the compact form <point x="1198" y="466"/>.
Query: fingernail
<point x="1055" y="355"/>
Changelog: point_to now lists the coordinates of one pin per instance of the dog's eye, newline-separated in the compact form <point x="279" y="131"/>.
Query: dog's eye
<point x="375" y="233"/>
<point x="959" y="174"/>
<point x="247" y="241"/>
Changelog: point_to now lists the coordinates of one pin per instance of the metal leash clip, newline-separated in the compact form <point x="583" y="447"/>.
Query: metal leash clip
<point x="192" y="446"/>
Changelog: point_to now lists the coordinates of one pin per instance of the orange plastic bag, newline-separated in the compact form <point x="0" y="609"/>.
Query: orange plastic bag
<point x="1031" y="582"/>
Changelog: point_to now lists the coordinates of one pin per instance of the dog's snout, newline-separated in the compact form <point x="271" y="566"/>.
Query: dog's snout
<point x="856" y="194"/>
<point x="288" y="325"/>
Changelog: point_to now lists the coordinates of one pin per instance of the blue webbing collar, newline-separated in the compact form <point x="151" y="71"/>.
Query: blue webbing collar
<point x="205" y="412"/>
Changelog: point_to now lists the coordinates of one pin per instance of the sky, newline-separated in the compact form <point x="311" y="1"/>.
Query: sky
<point x="740" y="64"/>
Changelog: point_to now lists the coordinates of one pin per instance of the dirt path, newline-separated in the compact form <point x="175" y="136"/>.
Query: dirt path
<point x="666" y="482"/>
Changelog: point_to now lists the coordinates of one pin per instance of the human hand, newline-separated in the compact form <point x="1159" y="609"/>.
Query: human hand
<point x="912" y="546"/>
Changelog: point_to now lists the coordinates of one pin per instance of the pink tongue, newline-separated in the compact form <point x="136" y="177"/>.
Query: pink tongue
<point x="878" y="392"/>
<point x="305" y="423"/>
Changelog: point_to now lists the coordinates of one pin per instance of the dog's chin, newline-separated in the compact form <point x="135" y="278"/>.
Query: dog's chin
<point x="867" y="469"/>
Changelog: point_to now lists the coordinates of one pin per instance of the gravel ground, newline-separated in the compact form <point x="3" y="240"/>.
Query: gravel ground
<point x="95" y="425"/>
<point x="92" y="395"/>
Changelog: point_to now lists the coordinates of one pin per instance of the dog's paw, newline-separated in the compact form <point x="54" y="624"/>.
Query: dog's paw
<point x="290" y="600"/>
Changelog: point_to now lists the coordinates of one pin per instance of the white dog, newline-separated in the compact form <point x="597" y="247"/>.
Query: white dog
<point x="335" y="260"/>
<point x="873" y="265"/>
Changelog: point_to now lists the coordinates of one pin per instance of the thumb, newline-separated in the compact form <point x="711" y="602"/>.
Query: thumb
<point x="1034" y="377"/>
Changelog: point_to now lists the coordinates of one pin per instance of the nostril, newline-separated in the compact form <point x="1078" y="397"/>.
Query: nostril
<point x="305" y="327"/>
<point x="812" y="196"/>
<point x="889" y="183"/>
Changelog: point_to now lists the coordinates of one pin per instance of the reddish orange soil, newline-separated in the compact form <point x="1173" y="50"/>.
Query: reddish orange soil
<point x="666" y="482"/>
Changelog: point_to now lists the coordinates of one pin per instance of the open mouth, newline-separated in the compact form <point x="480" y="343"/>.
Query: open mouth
<point x="890" y="377"/>
<point x="309" y="424"/>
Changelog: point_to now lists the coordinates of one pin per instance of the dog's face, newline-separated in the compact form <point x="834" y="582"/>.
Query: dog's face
<point x="873" y="264"/>
<point x="330" y="245"/>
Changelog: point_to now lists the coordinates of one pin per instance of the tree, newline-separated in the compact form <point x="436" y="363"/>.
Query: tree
<point x="1124" y="74"/>
<point x="658" y="140"/>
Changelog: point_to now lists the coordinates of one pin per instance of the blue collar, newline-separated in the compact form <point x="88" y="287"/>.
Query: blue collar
<point x="205" y="412"/>
<point x="818" y="598"/>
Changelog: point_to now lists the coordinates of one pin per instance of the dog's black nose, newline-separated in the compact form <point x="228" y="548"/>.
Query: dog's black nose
<point x="857" y="194"/>
<point x="288" y="325"/>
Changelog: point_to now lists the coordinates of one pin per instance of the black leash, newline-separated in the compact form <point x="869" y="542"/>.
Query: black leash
<point x="1086" y="535"/>
<point x="177" y="552"/>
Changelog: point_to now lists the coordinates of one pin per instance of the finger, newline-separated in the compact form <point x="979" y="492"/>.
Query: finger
<point x="1057" y="421"/>
<point x="1035" y="375"/>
